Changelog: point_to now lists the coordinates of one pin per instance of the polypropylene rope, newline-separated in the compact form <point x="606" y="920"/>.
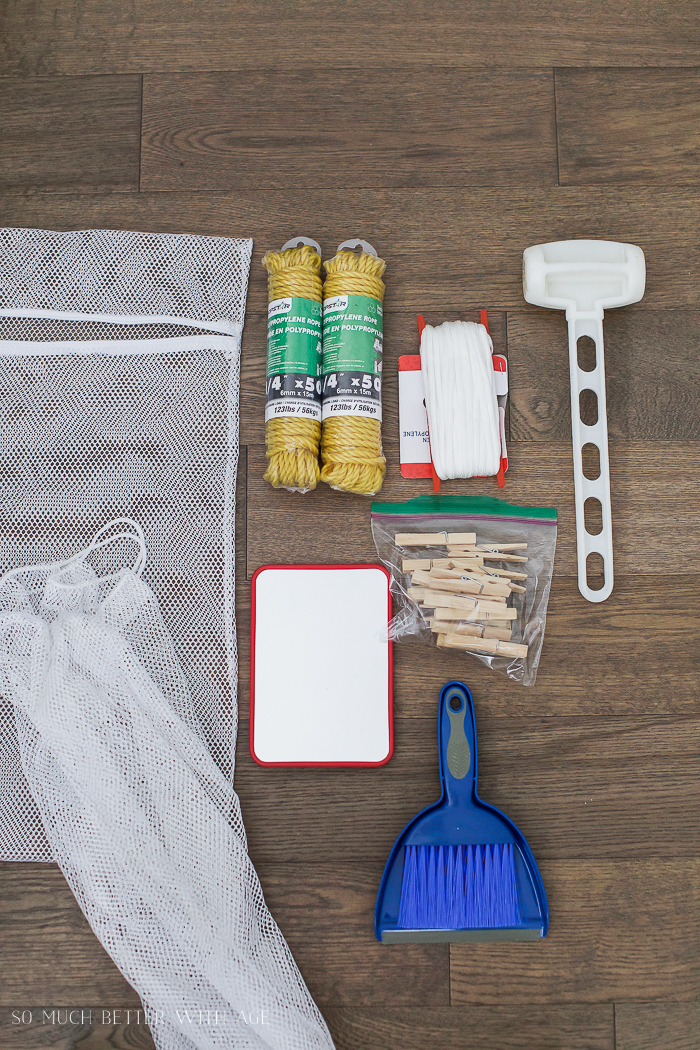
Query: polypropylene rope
<point x="351" y="447"/>
<point x="292" y="443"/>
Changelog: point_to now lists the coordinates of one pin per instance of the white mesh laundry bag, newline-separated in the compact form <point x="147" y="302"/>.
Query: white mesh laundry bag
<point x="118" y="435"/>
<point x="119" y="383"/>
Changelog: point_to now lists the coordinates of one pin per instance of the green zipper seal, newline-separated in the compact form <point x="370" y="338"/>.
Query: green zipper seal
<point x="487" y="505"/>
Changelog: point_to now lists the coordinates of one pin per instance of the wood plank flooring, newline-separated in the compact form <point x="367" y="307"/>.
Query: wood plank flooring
<point x="468" y="128"/>
<point x="623" y="125"/>
<point x="70" y="134"/>
<point x="152" y="36"/>
<point x="452" y="136"/>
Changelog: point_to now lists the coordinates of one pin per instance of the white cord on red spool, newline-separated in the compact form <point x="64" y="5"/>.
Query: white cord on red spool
<point x="460" y="399"/>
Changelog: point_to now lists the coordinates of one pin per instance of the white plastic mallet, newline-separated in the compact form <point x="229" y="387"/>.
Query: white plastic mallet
<point x="585" y="278"/>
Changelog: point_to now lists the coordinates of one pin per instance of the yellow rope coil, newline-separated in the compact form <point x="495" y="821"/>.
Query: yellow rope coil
<point x="351" y="447"/>
<point x="293" y="443"/>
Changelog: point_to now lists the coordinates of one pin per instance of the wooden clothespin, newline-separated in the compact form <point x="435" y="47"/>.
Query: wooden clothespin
<point x="417" y="594"/>
<point x="482" y="645"/>
<point x="433" y="539"/>
<point x="499" y="556"/>
<point x="459" y="584"/>
<point x="484" y="555"/>
<point x="411" y="564"/>
<point x="484" y="584"/>
<point x="420" y="539"/>
<point x="498" y="572"/>
<point x="500" y="619"/>
<point x="457" y="539"/>
<point x="477" y="630"/>
<point x="472" y="608"/>
<point x="497" y="547"/>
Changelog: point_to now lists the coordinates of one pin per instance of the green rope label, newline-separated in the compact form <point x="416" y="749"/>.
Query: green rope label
<point x="294" y="358"/>
<point x="352" y="356"/>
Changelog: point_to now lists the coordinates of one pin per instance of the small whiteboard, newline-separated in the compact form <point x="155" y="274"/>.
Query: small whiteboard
<point x="321" y="670"/>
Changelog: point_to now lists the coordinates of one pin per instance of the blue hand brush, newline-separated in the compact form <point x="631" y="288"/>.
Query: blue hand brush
<point x="461" y="870"/>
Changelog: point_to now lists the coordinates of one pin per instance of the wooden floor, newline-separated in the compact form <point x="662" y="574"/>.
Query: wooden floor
<point x="452" y="135"/>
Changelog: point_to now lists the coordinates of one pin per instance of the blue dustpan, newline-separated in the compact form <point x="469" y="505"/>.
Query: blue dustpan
<point x="460" y="870"/>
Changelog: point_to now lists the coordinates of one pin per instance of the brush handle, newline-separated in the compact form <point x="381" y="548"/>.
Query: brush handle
<point x="457" y="741"/>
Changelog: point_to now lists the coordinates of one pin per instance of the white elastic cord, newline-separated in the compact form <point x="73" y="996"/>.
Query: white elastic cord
<point x="460" y="399"/>
<point x="96" y="543"/>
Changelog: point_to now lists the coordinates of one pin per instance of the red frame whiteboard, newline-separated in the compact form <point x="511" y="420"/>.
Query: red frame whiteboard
<point x="253" y="633"/>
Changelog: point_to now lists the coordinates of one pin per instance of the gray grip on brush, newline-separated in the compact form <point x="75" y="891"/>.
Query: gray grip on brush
<point x="457" y="754"/>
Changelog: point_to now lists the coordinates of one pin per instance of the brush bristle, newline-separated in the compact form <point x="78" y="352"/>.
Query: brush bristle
<point x="459" y="888"/>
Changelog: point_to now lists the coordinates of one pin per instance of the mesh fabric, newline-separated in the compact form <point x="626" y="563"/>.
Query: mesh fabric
<point x="119" y="384"/>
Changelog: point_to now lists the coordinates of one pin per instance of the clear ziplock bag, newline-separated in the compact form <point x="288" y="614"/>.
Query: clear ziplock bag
<point x="452" y="589"/>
